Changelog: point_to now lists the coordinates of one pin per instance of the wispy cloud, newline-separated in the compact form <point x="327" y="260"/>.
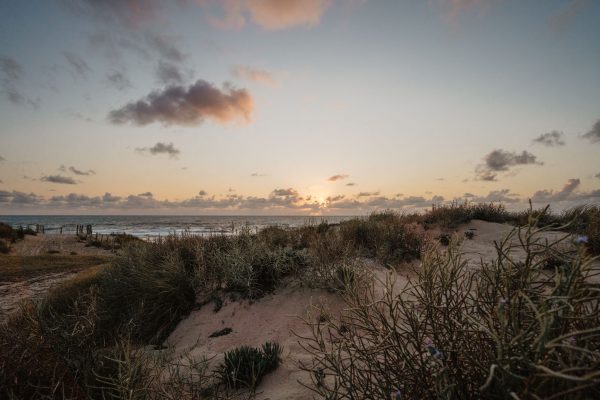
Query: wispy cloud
<point x="367" y="194"/>
<point x="502" y="160"/>
<point x="270" y="14"/>
<point x="178" y="105"/>
<point x="11" y="73"/>
<point x="119" y="81"/>
<point x="76" y="171"/>
<point x="593" y="135"/>
<point x="78" y="65"/>
<point x="350" y="184"/>
<point x="550" y="139"/>
<point x="255" y="75"/>
<point x="256" y="174"/>
<point x="168" y="73"/>
<point x="64" y="180"/>
<point x="337" y="177"/>
<point x="161" y="148"/>
<point x="561" y="19"/>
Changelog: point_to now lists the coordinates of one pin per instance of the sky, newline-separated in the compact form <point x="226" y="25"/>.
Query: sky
<point x="282" y="107"/>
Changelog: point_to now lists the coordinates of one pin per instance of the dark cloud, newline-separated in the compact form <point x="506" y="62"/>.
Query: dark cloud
<point x="503" y="196"/>
<point x="337" y="177"/>
<point x="256" y="174"/>
<point x="284" y="192"/>
<point x="254" y="74"/>
<point x="187" y="106"/>
<point x="2" y="158"/>
<point x="18" y="198"/>
<point x="550" y="139"/>
<point x="66" y="180"/>
<point x="350" y="184"/>
<point x="78" y="65"/>
<point x="502" y="160"/>
<point x="168" y="73"/>
<point x="76" y="171"/>
<point x="161" y="148"/>
<point x="594" y="134"/>
<point x="146" y="194"/>
<point x="202" y="193"/>
<point x="367" y="194"/>
<point x="597" y="175"/>
<point x="119" y="81"/>
<point x="561" y="195"/>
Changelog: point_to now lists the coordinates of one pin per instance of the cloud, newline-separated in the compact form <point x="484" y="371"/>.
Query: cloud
<point x="271" y="14"/>
<point x="597" y="175"/>
<point x="502" y="195"/>
<point x="550" y="139"/>
<point x="77" y="171"/>
<point x="77" y="64"/>
<point x="350" y="184"/>
<point x="164" y="46"/>
<point x="337" y="177"/>
<point x="11" y="73"/>
<point x="256" y="174"/>
<point x="560" y="20"/>
<point x="502" y="160"/>
<point x="255" y="75"/>
<point x="454" y="8"/>
<point x="594" y="134"/>
<point x="178" y="105"/>
<point x="119" y="81"/>
<point x="65" y="180"/>
<point x="202" y="193"/>
<point x="161" y="148"/>
<point x="168" y="73"/>
<point x="367" y="194"/>
<point x="19" y="198"/>
<point x="563" y="194"/>
<point x="10" y="68"/>
<point x="2" y="159"/>
<point x="126" y="12"/>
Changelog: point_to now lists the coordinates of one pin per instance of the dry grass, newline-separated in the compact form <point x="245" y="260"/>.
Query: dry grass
<point x="17" y="268"/>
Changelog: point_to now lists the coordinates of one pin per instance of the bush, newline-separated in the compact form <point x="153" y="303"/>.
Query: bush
<point x="512" y="329"/>
<point x="4" y="246"/>
<point x="246" y="366"/>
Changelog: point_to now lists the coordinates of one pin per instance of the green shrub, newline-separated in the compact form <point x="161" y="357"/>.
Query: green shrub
<point x="244" y="367"/>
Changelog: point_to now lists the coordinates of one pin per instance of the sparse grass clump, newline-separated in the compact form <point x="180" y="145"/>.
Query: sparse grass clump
<point x="245" y="367"/>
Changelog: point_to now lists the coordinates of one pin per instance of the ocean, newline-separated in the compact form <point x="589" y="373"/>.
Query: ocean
<point x="153" y="226"/>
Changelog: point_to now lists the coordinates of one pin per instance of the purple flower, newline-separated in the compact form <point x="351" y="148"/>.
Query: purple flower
<point x="581" y="239"/>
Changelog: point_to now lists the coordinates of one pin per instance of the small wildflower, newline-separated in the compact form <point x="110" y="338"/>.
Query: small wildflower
<point x="571" y="341"/>
<point x="581" y="239"/>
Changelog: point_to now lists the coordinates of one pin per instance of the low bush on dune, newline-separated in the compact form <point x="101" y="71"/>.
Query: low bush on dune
<point x="246" y="366"/>
<point x="457" y="213"/>
<point x="509" y="329"/>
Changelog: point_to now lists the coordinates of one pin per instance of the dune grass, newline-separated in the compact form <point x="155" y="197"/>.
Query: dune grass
<point x="89" y="337"/>
<point x="17" y="268"/>
<point x="510" y="329"/>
